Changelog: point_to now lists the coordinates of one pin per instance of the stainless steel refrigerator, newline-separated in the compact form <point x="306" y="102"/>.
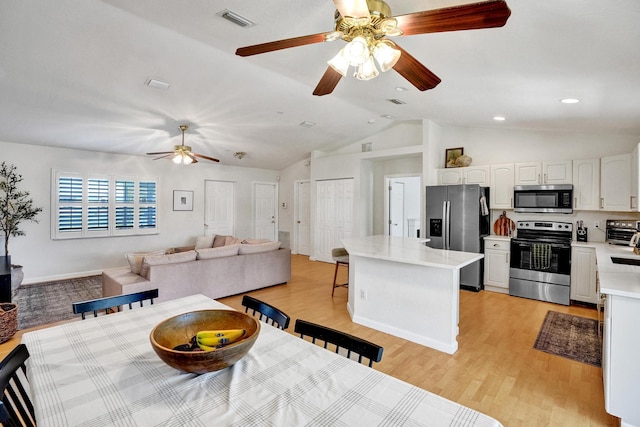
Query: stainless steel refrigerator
<point x="458" y="219"/>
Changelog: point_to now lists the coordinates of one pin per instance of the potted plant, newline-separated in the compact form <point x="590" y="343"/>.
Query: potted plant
<point x="16" y="207"/>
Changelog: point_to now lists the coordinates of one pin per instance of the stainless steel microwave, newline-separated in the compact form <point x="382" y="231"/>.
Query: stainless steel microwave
<point x="543" y="198"/>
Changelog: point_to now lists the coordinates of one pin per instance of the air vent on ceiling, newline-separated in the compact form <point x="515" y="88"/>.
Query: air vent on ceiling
<point x="396" y="101"/>
<point x="307" y="124"/>
<point x="236" y="19"/>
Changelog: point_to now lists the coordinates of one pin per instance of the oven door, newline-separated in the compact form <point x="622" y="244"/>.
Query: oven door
<point x="542" y="256"/>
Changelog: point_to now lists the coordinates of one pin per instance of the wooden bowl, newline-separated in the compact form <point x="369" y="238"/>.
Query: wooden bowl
<point x="181" y="328"/>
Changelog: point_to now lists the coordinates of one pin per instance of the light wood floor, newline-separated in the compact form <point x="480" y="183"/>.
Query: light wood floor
<point x="495" y="370"/>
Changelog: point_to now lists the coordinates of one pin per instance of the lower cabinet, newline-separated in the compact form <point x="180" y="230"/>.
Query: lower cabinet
<point x="583" y="274"/>
<point x="496" y="264"/>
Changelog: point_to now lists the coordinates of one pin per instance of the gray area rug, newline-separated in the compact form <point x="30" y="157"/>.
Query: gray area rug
<point x="42" y="303"/>
<point x="570" y="336"/>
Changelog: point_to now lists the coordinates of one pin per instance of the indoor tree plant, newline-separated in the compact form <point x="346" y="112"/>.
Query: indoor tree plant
<point x="16" y="207"/>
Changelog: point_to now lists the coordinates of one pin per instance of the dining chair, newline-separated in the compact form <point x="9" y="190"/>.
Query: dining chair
<point x="16" y="408"/>
<point x="108" y="303"/>
<point x="339" y="339"/>
<point x="341" y="257"/>
<point x="271" y="314"/>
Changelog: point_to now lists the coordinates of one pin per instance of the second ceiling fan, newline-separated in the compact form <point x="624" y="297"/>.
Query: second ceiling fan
<point x="365" y="24"/>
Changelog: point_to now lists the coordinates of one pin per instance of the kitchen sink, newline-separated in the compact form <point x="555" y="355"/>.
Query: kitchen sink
<point x="627" y="261"/>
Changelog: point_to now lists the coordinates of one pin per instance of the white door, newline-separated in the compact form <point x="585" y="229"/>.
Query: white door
<point x="265" y="209"/>
<point x="219" y="207"/>
<point x="396" y="209"/>
<point x="303" y="218"/>
<point x="334" y="216"/>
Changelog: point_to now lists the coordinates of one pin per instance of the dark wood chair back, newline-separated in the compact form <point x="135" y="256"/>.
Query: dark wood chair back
<point x="351" y="343"/>
<point x="108" y="303"/>
<point x="15" y="407"/>
<point x="271" y="314"/>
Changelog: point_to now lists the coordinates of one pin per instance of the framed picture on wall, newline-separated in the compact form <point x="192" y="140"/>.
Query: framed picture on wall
<point x="450" y="156"/>
<point x="182" y="200"/>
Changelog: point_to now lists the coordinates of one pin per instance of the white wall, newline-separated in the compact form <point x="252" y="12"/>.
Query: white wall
<point x="299" y="171"/>
<point x="47" y="259"/>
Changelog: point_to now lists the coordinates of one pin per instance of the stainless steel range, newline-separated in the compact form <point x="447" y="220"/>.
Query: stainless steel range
<point x="540" y="266"/>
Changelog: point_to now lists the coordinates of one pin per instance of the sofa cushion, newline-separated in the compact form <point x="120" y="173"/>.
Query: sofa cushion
<point x="220" y="252"/>
<point x="135" y="259"/>
<point x="258" y="247"/>
<point x="165" y="259"/>
<point x="230" y="240"/>
<point x="254" y="241"/>
<point x="204" y="242"/>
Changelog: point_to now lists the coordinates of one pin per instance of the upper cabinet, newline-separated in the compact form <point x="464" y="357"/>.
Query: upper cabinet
<point x="586" y="184"/>
<point x="536" y="173"/>
<point x="615" y="184"/>
<point x="469" y="175"/>
<point x="501" y="186"/>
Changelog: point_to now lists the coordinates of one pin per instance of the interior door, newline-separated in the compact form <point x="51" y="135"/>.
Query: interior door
<point x="396" y="209"/>
<point x="219" y="207"/>
<point x="265" y="221"/>
<point x="303" y="218"/>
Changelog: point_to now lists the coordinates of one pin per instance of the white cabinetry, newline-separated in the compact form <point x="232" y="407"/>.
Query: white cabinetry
<point x="583" y="274"/>
<point x="620" y="367"/>
<point x="501" y="186"/>
<point x="496" y="264"/>
<point x="469" y="175"/>
<point x="533" y="173"/>
<point x="586" y="184"/>
<point x="615" y="183"/>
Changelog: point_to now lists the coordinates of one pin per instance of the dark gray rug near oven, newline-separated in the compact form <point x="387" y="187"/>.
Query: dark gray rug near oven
<point x="42" y="303"/>
<point x="570" y="336"/>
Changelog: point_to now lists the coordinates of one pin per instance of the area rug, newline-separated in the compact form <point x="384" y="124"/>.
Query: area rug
<point x="42" y="303"/>
<point x="570" y="336"/>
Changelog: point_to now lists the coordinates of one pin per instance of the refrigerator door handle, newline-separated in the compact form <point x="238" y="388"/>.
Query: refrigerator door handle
<point x="447" y="225"/>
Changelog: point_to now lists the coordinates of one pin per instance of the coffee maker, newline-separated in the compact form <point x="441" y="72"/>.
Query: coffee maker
<point x="581" y="232"/>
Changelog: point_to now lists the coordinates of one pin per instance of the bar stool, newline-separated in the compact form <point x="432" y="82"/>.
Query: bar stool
<point x="341" y="257"/>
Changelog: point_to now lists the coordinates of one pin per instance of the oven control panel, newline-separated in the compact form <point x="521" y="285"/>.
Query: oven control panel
<point x="545" y="226"/>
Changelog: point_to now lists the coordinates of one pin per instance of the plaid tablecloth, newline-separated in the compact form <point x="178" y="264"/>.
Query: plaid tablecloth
<point x="103" y="371"/>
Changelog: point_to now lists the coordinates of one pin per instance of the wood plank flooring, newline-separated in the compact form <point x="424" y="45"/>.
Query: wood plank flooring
<point x="495" y="370"/>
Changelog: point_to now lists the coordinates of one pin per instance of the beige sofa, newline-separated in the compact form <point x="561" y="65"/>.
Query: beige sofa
<point x="215" y="272"/>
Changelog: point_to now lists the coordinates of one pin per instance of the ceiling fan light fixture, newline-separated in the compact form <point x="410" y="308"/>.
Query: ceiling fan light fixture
<point x="182" y="159"/>
<point x="357" y="51"/>
<point x="339" y="63"/>
<point x="386" y="55"/>
<point x="389" y="26"/>
<point x="367" y="70"/>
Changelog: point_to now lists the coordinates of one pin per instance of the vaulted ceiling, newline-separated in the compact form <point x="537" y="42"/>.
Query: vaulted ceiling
<point x="73" y="73"/>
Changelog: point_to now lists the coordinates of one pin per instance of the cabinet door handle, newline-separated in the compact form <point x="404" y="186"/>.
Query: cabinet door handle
<point x="507" y="256"/>
<point x="575" y="202"/>
<point x="539" y="179"/>
<point x="601" y="202"/>
<point x="545" y="178"/>
<point x="630" y="202"/>
<point x="495" y="245"/>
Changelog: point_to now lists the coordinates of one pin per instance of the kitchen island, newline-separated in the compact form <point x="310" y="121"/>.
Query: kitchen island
<point x="400" y="286"/>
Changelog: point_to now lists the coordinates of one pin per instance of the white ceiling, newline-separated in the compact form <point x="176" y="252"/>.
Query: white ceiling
<point x="72" y="74"/>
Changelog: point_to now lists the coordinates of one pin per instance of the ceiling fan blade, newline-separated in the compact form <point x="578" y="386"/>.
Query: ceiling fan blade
<point x="202" y="156"/>
<point x="159" y="152"/>
<point x="191" y="156"/>
<point x="328" y="82"/>
<point x="416" y="73"/>
<point x="163" y="157"/>
<point x="489" y="14"/>
<point x="281" y="44"/>
<point x="352" y="8"/>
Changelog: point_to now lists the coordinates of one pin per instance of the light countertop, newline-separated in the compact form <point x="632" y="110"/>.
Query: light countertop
<point x="616" y="279"/>
<point x="408" y="250"/>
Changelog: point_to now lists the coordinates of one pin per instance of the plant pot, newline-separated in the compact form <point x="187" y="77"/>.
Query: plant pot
<point x="8" y="320"/>
<point x="17" y="275"/>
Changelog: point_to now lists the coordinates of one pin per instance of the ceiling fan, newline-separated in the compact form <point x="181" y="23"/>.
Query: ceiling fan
<point x="365" y="24"/>
<point x="182" y="154"/>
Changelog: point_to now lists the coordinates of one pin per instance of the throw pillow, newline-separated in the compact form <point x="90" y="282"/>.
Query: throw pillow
<point x="230" y="240"/>
<point x="150" y="260"/>
<point x="220" y="252"/>
<point x="135" y="259"/>
<point x="219" y="241"/>
<point x="254" y="241"/>
<point x="204" y="242"/>
<point x="258" y="247"/>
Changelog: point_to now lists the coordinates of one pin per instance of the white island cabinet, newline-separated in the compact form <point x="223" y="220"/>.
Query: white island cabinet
<point x="400" y="286"/>
<point x="621" y="339"/>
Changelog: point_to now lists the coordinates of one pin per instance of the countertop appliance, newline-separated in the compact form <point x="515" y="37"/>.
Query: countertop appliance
<point x="540" y="266"/>
<point x="556" y="198"/>
<point x="458" y="219"/>
<point x="620" y="231"/>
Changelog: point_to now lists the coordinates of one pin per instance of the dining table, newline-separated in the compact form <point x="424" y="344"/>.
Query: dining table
<point x="103" y="372"/>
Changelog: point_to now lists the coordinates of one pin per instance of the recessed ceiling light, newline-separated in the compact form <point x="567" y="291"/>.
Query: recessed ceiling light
<point x="499" y="119"/>
<point x="307" y="124"/>
<point x="569" y="100"/>
<point x="387" y="116"/>
<point x="401" y="89"/>
<point x="371" y="121"/>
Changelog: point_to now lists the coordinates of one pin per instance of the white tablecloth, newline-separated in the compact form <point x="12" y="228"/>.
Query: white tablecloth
<point x="103" y="371"/>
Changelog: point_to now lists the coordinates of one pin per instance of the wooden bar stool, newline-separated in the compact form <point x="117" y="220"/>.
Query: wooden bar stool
<point x="341" y="257"/>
